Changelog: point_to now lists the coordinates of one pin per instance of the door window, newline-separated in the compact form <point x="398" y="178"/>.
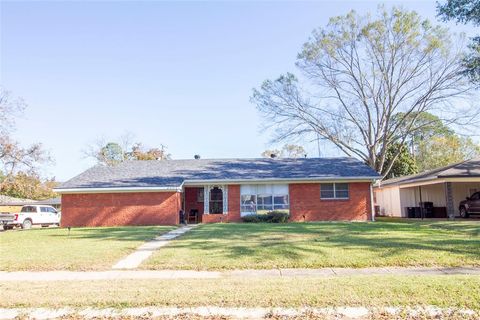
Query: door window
<point x="216" y="200"/>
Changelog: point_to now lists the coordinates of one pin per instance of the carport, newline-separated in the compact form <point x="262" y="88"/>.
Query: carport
<point x="432" y="194"/>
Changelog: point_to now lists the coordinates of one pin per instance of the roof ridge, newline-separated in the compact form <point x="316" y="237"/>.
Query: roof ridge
<point x="257" y="158"/>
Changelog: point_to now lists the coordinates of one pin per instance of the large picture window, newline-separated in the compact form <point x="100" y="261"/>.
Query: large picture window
<point x="263" y="198"/>
<point x="334" y="191"/>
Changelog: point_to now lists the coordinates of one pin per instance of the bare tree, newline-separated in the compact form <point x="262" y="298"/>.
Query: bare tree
<point x="360" y="72"/>
<point x="287" y="151"/>
<point x="10" y="107"/>
<point x="271" y="153"/>
<point x="111" y="153"/>
<point x="139" y="152"/>
<point x="105" y="152"/>
<point x="13" y="157"/>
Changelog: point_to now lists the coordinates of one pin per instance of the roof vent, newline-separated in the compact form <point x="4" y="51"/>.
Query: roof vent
<point x="197" y="156"/>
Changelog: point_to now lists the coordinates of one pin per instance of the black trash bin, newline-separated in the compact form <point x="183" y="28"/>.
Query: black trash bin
<point x="410" y="212"/>
<point x="427" y="208"/>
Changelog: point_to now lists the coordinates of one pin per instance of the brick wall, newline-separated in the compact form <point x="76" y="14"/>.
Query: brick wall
<point x="306" y="205"/>
<point x="234" y="203"/>
<point x="214" y="218"/>
<point x="161" y="208"/>
<point x="119" y="209"/>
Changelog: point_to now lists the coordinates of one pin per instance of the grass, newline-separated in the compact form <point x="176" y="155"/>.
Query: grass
<point x="327" y="244"/>
<point x="367" y="291"/>
<point x="79" y="249"/>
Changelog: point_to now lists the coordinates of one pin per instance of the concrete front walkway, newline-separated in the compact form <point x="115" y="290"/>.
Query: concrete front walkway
<point x="192" y="274"/>
<point x="142" y="253"/>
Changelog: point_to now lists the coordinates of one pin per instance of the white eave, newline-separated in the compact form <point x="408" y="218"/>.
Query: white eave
<point x="281" y="180"/>
<point x="426" y="181"/>
<point x="217" y="181"/>
<point x="117" y="189"/>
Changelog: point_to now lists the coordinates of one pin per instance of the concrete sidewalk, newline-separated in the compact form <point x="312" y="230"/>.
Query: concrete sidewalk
<point x="192" y="274"/>
<point x="133" y="260"/>
<point x="207" y="312"/>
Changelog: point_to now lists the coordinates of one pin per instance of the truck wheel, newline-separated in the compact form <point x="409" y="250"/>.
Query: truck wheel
<point x="463" y="213"/>
<point x="27" y="224"/>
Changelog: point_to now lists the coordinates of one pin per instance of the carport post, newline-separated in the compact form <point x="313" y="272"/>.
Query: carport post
<point x="421" y="201"/>
<point x="449" y="200"/>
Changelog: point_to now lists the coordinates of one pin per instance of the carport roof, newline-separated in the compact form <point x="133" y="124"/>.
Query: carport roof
<point x="173" y="173"/>
<point x="465" y="169"/>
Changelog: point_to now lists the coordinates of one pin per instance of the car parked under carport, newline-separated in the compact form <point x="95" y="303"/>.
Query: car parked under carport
<point x="446" y="188"/>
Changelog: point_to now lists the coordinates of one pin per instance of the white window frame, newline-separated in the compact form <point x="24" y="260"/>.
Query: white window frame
<point x="206" y="197"/>
<point x="259" y="190"/>
<point x="335" y="191"/>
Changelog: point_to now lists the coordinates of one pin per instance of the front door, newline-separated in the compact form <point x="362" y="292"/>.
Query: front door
<point x="216" y="201"/>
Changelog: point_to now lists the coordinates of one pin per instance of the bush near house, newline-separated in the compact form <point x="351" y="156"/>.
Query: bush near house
<point x="272" y="217"/>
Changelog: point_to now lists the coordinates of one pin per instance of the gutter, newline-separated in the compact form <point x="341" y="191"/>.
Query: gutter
<point x="218" y="181"/>
<point x="118" y="189"/>
<point x="282" y="180"/>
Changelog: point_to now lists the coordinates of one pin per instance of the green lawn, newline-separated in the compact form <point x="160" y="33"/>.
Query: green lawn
<point x="327" y="244"/>
<point x="81" y="249"/>
<point x="368" y="291"/>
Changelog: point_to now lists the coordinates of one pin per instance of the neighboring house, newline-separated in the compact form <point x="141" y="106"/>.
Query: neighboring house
<point x="443" y="187"/>
<point x="222" y="190"/>
<point x="11" y="204"/>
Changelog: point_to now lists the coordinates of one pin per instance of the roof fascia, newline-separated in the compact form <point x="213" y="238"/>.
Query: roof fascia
<point x="279" y="180"/>
<point x="427" y="181"/>
<point x="118" y="190"/>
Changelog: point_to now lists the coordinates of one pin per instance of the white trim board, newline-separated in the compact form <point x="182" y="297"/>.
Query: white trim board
<point x="117" y="190"/>
<point x="210" y="182"/>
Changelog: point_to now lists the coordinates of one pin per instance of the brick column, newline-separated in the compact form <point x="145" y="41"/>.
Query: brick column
<point x="449" y="200"/>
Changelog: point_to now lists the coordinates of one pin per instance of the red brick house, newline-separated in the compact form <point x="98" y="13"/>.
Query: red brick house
<point x="220" y="190"/>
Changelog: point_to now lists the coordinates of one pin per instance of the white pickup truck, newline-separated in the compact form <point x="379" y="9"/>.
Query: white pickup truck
<point x="30" y="215"/>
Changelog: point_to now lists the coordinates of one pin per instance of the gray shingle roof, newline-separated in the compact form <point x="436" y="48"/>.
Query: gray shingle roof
<point x="172" y="173"/>
<point x="469" y="168"/>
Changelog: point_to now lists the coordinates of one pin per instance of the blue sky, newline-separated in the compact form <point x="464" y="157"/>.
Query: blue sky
<point x="177" y="73"/>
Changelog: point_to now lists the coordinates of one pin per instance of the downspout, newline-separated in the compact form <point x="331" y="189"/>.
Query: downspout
<point x="372" y="207"/>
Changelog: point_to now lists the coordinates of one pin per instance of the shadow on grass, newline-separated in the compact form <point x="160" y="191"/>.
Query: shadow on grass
<point x="295" y="241"/>
<point x="137" y="233"/>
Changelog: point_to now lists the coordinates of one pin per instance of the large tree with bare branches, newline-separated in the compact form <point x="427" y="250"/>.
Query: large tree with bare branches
<point x="112" y="153"/>
<point x="365" y="82"/>
<point x="19" y="165"/>
<point x="13" y="156"/>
